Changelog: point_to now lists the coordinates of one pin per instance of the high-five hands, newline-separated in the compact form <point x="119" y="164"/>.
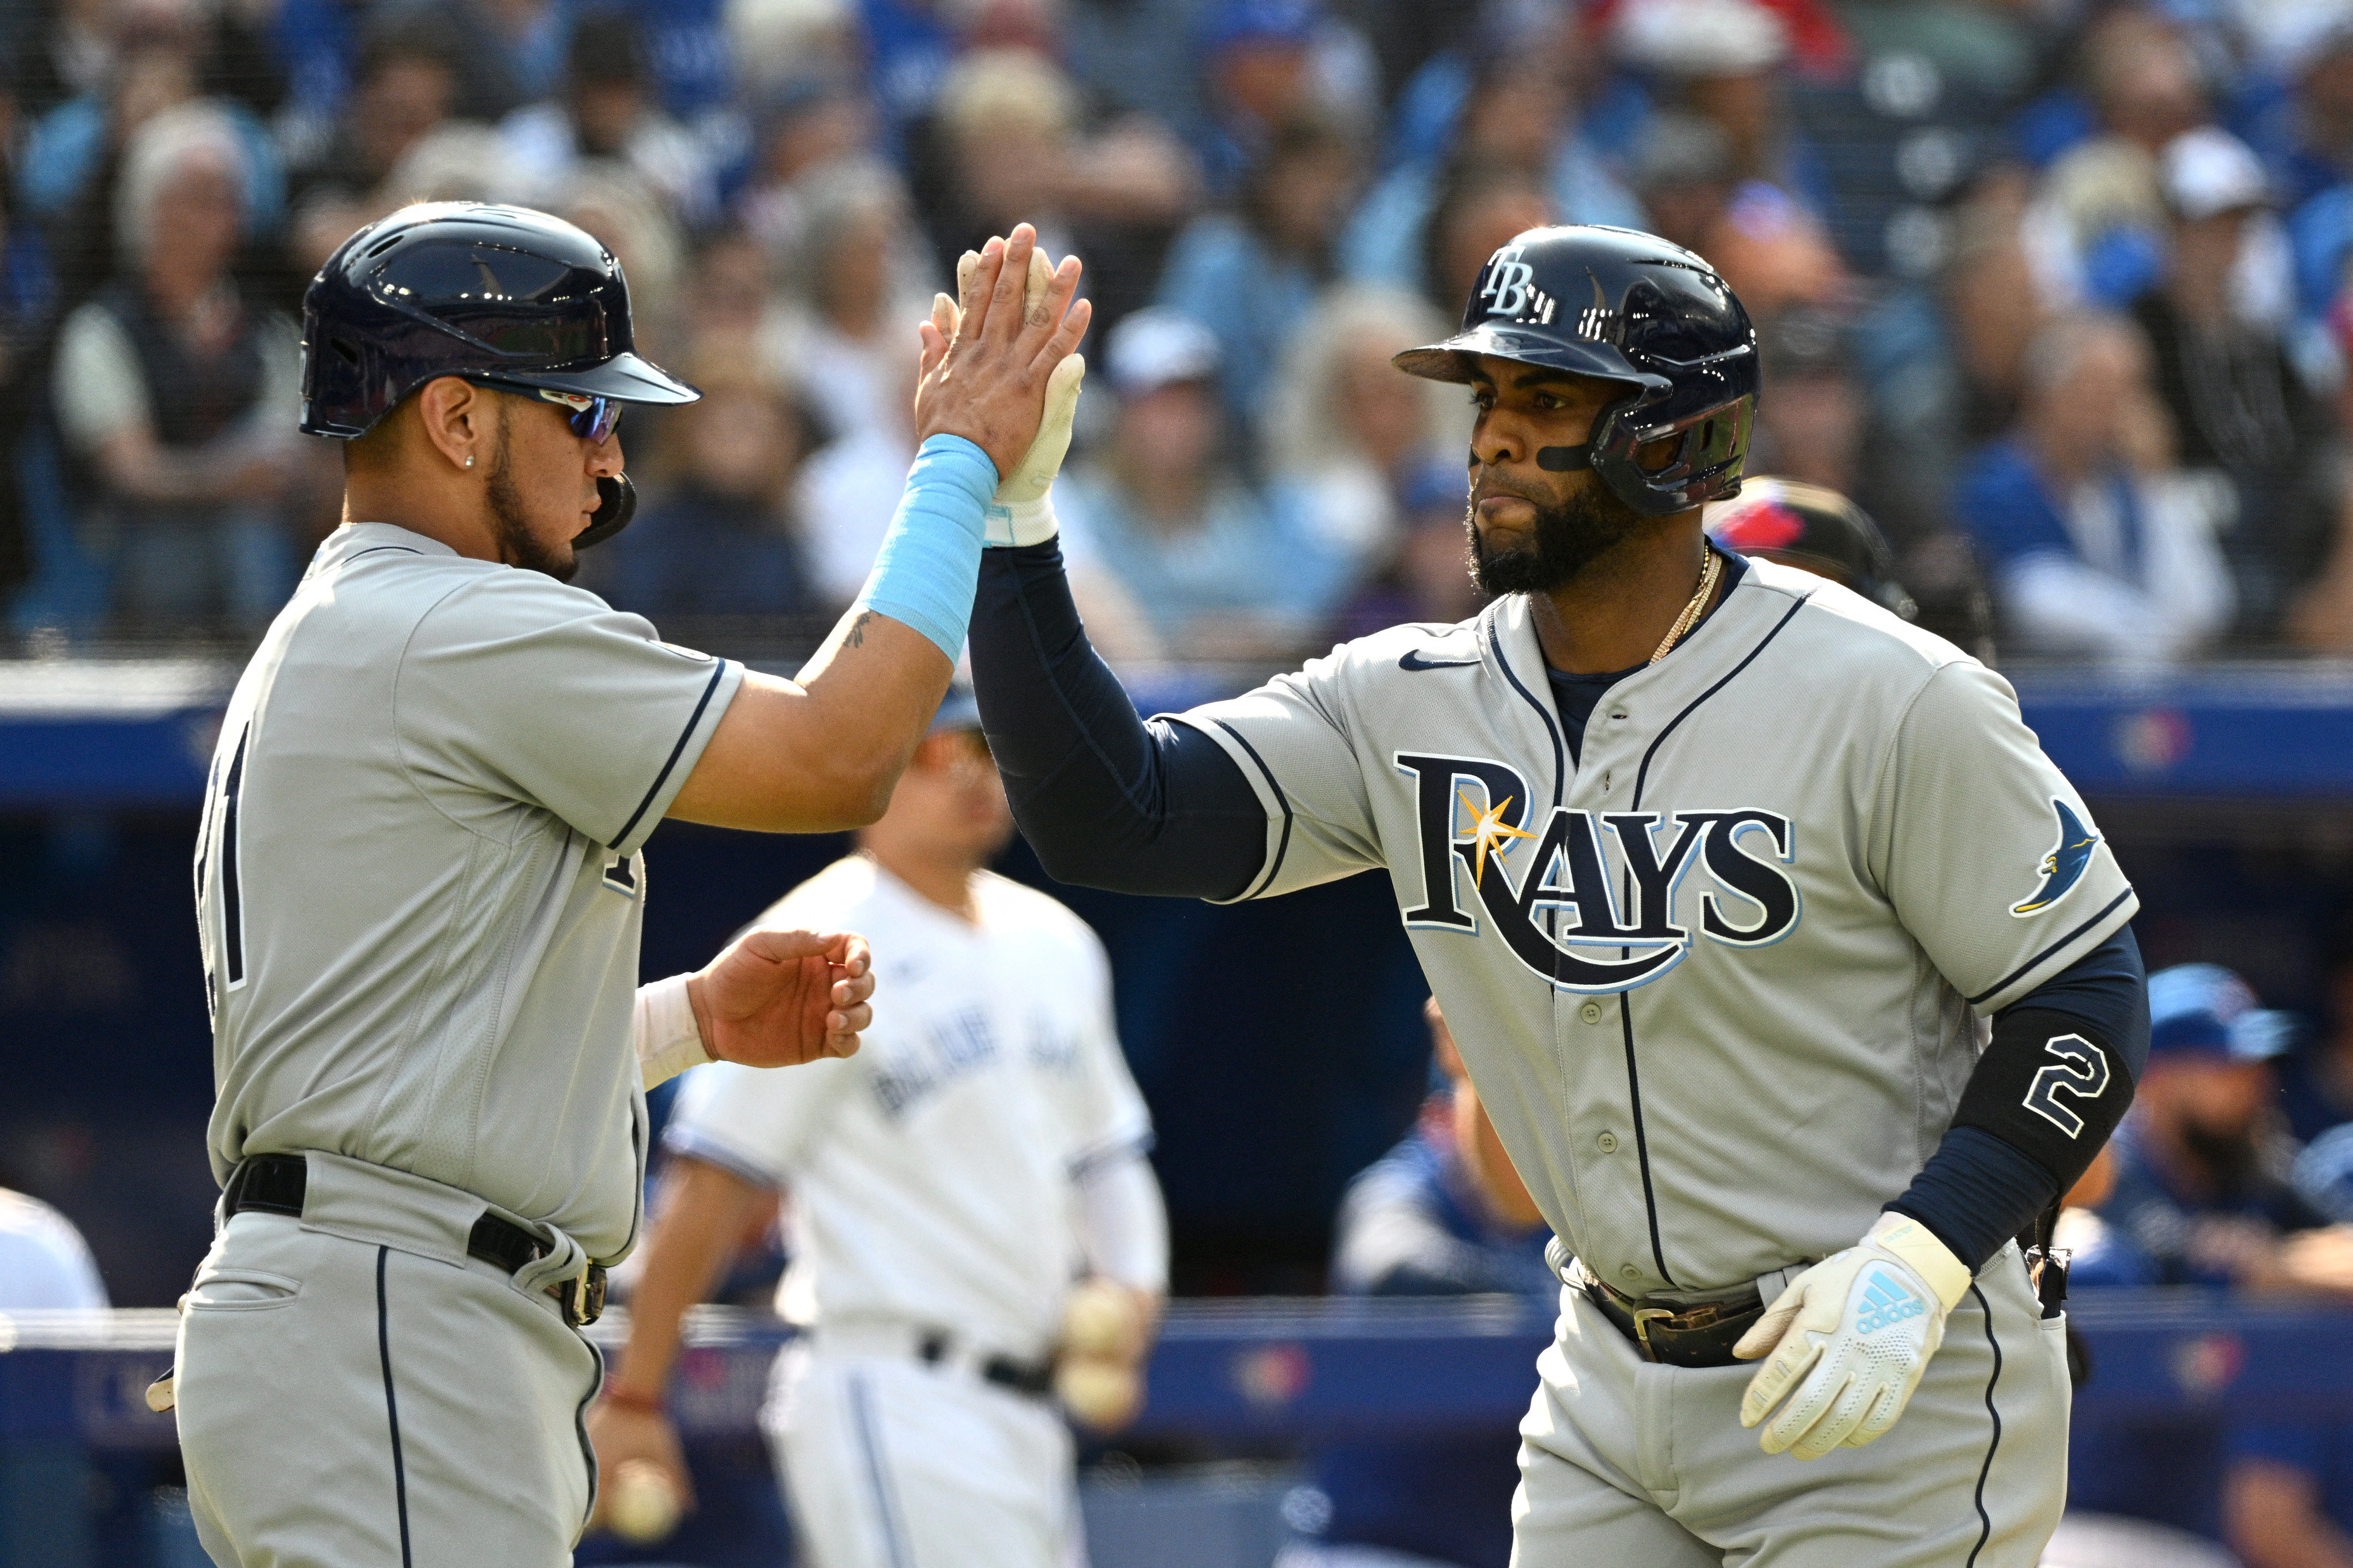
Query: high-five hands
<point x="1858" y="1328"/>
<point x="987" y="358"/>
<point x="779" y="998"/>
<point x="1022" y="511"/>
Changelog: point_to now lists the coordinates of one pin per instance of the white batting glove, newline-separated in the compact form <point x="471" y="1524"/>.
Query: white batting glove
<point x="1858" y="1328"/>
<point x="1022" y="511"/>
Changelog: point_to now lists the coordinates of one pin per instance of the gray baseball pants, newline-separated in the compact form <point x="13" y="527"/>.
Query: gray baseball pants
<point x="1627" y="1461"/>
<point x="356" y="1391"/>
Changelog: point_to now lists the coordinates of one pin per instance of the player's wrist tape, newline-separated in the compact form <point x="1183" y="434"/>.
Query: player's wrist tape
<point x="1018" y="523"/>
<point x="2050" y="1086"/>
<point x="1917" y="1246"/>
<point x="930" y="562"/>
<point x="669" y="1039"/>
<point x="1022" y="511"/>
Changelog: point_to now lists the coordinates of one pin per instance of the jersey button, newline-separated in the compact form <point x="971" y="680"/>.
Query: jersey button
<point x="1591" y="1012"/>
<point x="1607" y="1143"/>
<point x="1630" y="1273"/>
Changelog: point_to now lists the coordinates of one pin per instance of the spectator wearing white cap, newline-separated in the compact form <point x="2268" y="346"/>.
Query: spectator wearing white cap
<point x="1723" y="60"/>
<point x="2217" y="324"/>
<point x="1207" y="568"/>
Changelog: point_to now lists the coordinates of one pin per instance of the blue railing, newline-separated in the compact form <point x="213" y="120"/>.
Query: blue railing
<point x="1248" y="1371"/>
<point x="87" y="734"/>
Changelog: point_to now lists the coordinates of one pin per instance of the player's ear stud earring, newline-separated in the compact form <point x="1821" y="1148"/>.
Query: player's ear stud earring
<point x="470" y="459"/>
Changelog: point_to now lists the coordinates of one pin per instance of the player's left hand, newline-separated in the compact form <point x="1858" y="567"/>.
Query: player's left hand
<point x="1858" y="1328"/>
<point x="779" y="998"/>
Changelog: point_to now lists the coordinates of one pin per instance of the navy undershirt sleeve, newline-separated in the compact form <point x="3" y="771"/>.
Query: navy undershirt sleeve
<point x="1106" y="799"/>
<point x="1978" y="1190"/>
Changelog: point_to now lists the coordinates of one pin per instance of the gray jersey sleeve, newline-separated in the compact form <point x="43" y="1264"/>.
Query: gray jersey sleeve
<point x="1294" y="739"/>
<point x="518" y="689"/>
<point x="1986" y="852"/>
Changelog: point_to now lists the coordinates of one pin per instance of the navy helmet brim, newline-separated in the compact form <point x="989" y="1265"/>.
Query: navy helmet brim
<point x="1453" y="359"/>
<point x="626" y="376"/>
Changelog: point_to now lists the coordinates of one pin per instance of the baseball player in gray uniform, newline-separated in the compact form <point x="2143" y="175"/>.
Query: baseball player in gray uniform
<point x="1796" y="979"/>
<point x="419" y="886"/>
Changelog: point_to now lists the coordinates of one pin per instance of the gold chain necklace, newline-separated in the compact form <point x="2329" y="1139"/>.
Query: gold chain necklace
<point x="1707" y="576"/>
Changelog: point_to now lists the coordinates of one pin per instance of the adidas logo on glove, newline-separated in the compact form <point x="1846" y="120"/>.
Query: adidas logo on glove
<point x="1886" y="1302"/>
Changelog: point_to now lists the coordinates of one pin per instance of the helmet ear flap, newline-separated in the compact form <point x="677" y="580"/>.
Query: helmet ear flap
<point x="617" y="504"/>
<point x="1711" y="447"/>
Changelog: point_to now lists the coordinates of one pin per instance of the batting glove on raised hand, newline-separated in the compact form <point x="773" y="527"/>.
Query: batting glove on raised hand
<point x="1022" y="512"/>
<point x="1852" y="1335"/>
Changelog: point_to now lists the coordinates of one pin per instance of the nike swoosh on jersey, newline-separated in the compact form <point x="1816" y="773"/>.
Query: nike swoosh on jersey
<point x="1415" y="661"/>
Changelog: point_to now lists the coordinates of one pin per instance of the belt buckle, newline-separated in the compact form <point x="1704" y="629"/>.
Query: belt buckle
<point x="582" y="1298"/>
<point x="1644" y="1318"/>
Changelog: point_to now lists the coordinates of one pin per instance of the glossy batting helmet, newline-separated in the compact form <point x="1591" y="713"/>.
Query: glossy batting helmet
<point x="1625" y="307"/>
<point x="501" y="295"/>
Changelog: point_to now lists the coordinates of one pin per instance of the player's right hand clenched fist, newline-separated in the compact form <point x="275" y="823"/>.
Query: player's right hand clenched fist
<point x="988" y="381"/>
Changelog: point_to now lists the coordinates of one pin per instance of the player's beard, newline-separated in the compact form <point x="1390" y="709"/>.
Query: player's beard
<point x="518" y="546"/>
<point x="1570" y="536"/>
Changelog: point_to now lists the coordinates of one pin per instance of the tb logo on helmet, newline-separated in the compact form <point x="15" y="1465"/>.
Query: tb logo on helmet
<point x="1510" y="288"/>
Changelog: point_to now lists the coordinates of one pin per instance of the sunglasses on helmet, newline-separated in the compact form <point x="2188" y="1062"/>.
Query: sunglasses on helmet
<point x="592" y="419"/>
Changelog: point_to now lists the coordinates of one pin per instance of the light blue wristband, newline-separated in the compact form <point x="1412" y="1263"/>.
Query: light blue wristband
<point x="929" y="567"/>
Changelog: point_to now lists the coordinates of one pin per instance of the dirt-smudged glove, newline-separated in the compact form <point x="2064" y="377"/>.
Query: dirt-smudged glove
<point x="1852" y="1336"/>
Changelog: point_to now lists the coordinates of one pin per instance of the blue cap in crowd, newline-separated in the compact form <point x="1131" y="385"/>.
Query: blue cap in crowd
<point x="2204" y="1009"/>
<point x="1259" y="22"/>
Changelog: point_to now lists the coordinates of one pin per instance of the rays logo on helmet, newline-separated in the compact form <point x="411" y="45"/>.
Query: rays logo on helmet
<point x="2064" y="866"/>
<point x="1510" y="288"/>
<point x="1586" y="900"/>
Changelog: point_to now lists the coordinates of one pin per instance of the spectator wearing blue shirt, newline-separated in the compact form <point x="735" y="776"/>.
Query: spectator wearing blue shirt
<point x="1442" y="1214"/>
<point x="1252" y="275"/>
<point x="2288" y="1496"/>
<point x="2201" y="1194"/>
<point x="2201" y="1200"/>
<point x="1171" y="553"/>
<point x="720" y="538"/>
<point x="1257" y="72"/>
<point x="1516" y="115"/>
<point x="2096" y="545"/>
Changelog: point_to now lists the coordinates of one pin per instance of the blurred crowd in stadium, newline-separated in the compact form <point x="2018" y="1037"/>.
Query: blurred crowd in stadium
<point x="2054" y="289"/>
<point x="2057" y="290"/>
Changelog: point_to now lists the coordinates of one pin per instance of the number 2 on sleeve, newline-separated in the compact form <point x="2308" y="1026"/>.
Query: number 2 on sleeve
<point x="2082" y="1071"/>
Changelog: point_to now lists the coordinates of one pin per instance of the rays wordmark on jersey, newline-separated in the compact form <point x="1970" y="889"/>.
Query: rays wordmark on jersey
<point x="1588" y="900"/>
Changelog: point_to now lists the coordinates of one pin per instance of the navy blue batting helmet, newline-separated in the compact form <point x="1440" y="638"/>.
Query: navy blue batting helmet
<point x="493" y="293"/>
<point x="1625" y="307"/>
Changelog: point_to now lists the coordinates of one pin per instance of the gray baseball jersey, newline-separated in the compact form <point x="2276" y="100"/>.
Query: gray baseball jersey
<point x="1720" y="983"/>
<point x="418" y="883"/>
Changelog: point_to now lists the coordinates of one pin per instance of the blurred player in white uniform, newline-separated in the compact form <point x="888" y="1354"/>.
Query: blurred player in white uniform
<point x="949" y="1188"/>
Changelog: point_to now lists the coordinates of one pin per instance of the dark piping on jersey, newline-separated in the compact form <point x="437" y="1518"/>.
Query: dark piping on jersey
<point x="1642" y="1140"/>
<point x="1543" y="711"/>
<point x="1626" y="998"/>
